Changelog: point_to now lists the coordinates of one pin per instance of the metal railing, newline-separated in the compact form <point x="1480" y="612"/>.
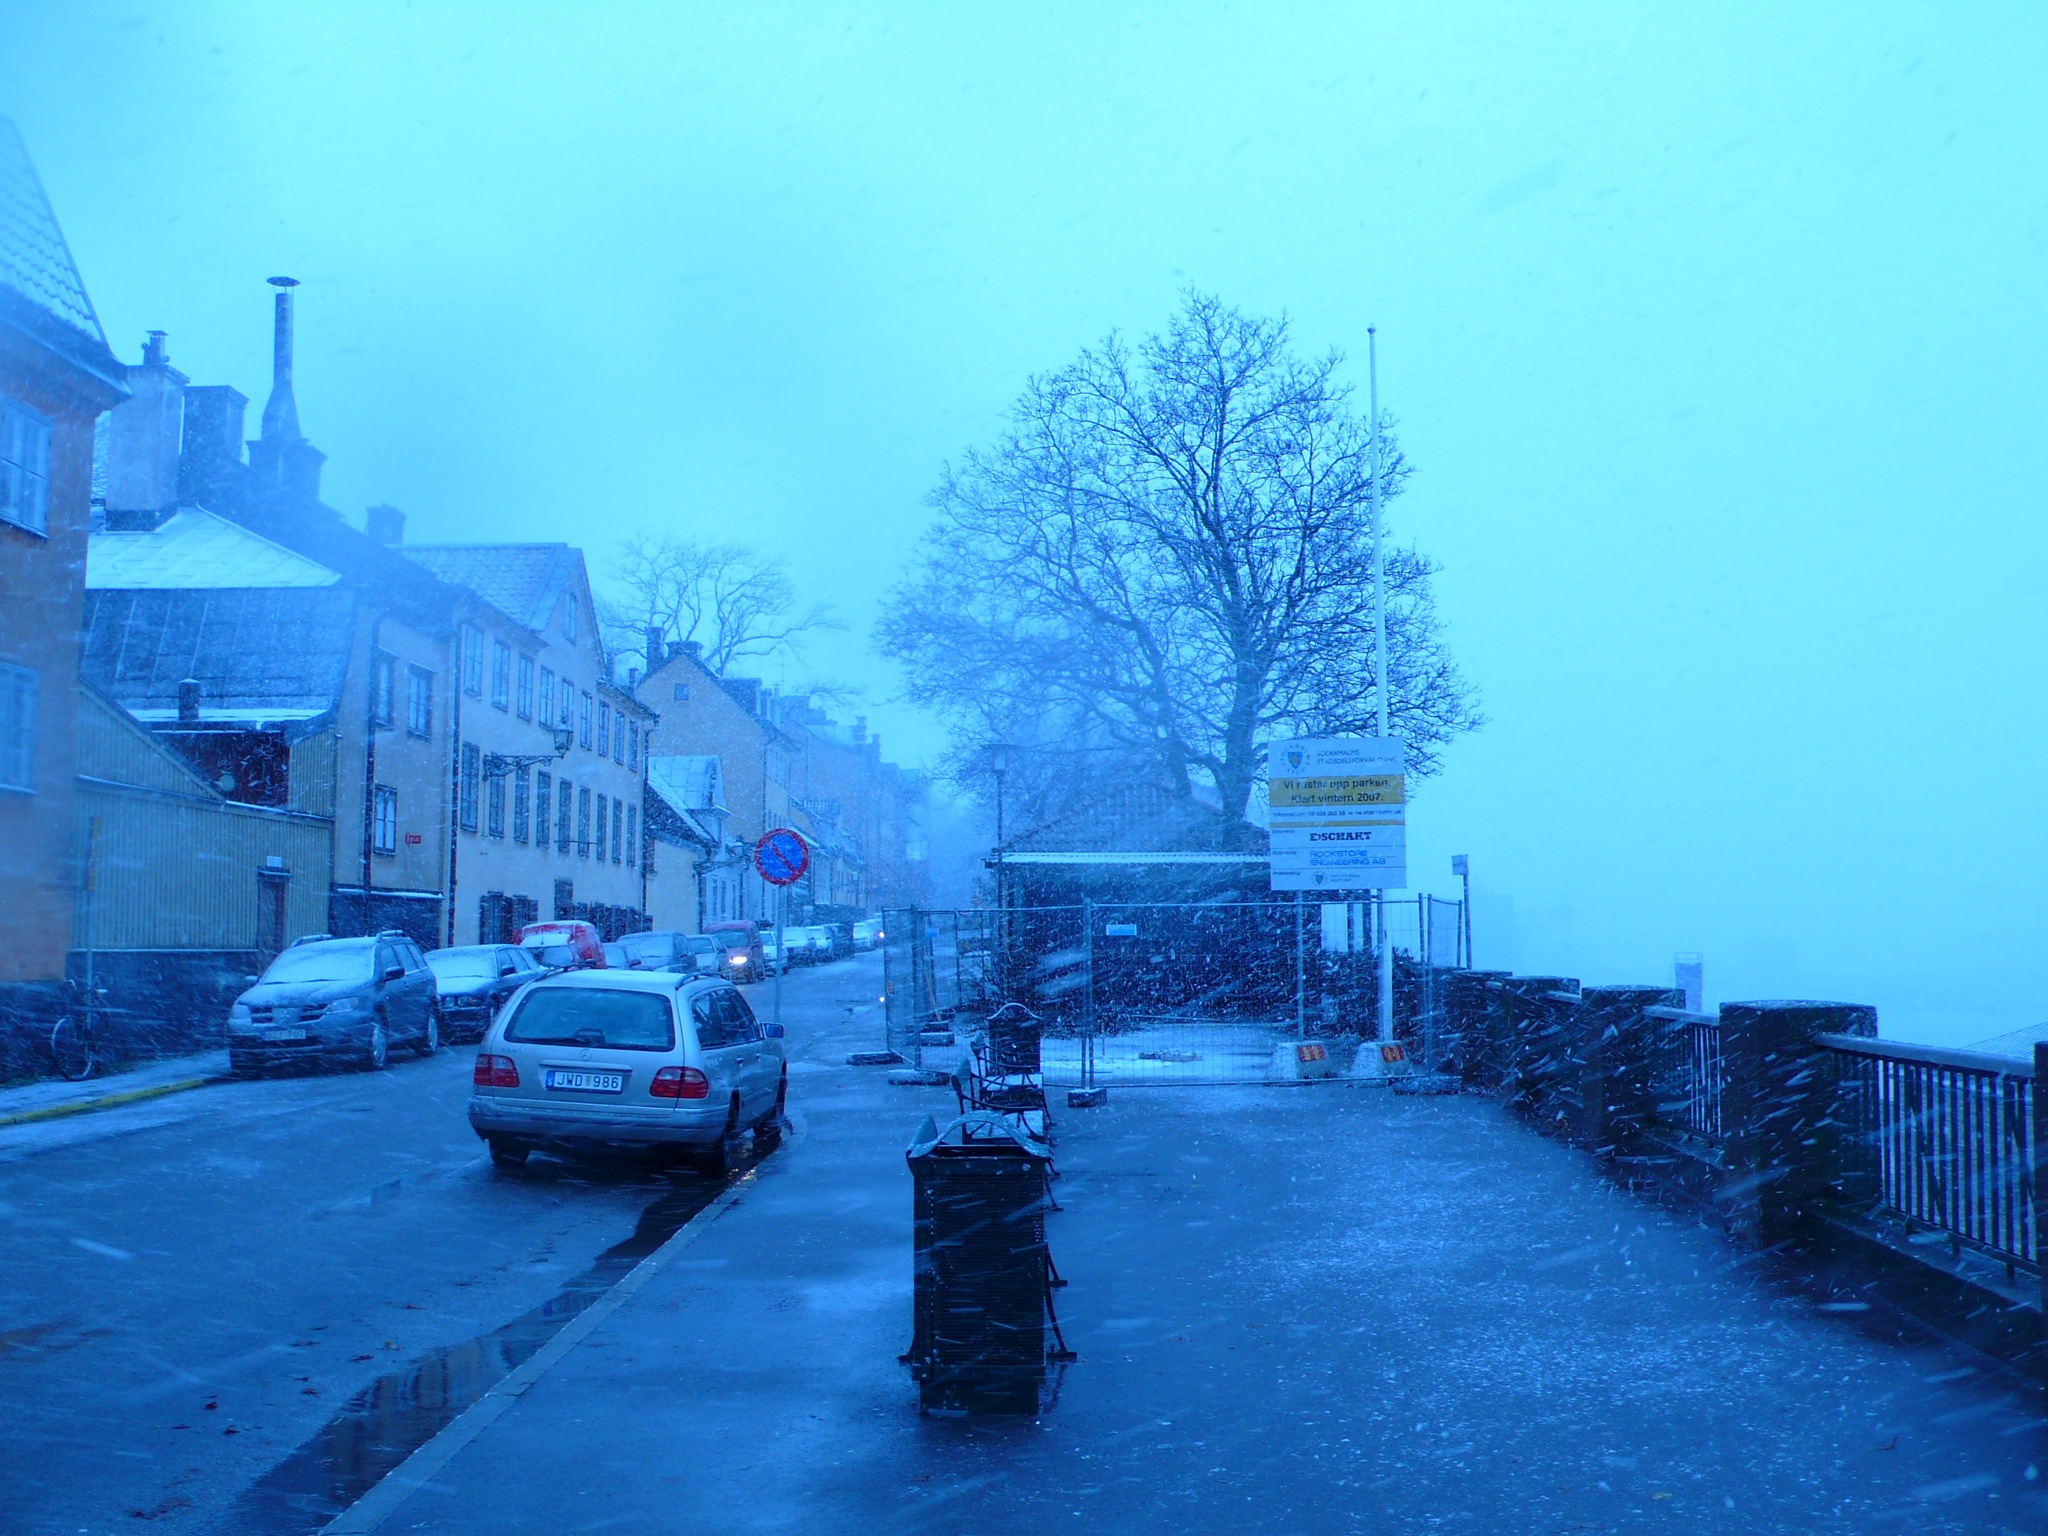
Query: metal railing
<point x="1941" y="1139"/>
<point x="1687" y="1071"/>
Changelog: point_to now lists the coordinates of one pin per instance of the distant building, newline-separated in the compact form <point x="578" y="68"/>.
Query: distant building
<point x="56" y="376"/>
<point x="694" y="866"/>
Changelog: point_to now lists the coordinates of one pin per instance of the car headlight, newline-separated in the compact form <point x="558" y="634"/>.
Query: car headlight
<point x="239" y="1020"/>
<point x="739" y="959"/>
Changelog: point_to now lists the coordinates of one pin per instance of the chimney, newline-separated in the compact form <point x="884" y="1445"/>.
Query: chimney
<point x="694" y="649"/>
<point x="654" y="643"/>
<point x="188" y="702"/>
<point x="145" y="435"/>
<point x="213" y="438"/>
<point x="385" y="524"/>
<point x="282" y="457"/>
<point x="860" y="730"/>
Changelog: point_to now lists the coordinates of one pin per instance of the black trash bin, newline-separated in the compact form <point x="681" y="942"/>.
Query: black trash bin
<point x="982" y="1325"/>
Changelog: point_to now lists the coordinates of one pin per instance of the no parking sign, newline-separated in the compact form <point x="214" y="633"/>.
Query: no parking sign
<point x="782" y="856"/>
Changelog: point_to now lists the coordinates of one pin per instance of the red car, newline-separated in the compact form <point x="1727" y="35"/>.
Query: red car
<point x="739" y="943"/>
<point x="563" y="946"/>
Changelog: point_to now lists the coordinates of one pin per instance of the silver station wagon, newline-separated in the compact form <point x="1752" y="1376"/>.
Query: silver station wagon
<point x="648" y="1061"/>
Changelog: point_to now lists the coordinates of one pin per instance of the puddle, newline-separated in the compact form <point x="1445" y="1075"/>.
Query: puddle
<point x="395" y="1415"/>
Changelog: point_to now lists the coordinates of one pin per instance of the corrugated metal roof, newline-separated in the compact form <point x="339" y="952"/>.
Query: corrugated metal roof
<point x="524" y="581"/>
<point x="2018" y="1043"/>
<point x="197" y="550"/>
<point x="278" y="652"/>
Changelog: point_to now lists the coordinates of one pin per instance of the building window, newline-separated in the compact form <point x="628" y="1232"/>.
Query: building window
<point x="632" y="834"/>
<point x="568" y="616"/>
<point x="521" y="808"/>
<point x="586" y="720"/>
<point x="494" y="805"/>
<point x="600" y="829"/>
<point x="501" y="674"/>
<point x="682" y="693"/>
<point x="384" y="820"/>
<point x="633" y="746"/>
<point x="543" y="804"/>
<point x="618" y="830"/>
<point x="472" y="660"/>
<point x="582" y="823"/>
<point x="563" y="803"/>
<point x="526" y="687"/>
<point x="604" y="730"/>
<point x="17" y="728"/>
<point x="547" y="696"/>
<point x="419" y="702"/>
<point x="619" y="738"/>
<point x="24" y="467"/>
<point x="472" y="770"/>
<point x="383" y="691"/>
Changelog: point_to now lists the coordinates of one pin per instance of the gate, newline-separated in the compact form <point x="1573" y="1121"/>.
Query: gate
<point x="1169" y="993"/>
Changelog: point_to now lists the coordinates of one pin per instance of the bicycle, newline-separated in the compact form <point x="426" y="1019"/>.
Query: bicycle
<point x="71" y="1048"/>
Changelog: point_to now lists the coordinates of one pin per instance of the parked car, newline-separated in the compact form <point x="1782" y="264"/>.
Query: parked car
<point x="666" y="950"/>
<point x="810" y="944"/>
<point x="650" y="1061"/>
<point x="739" y="940"/>
<point x="771" y="953"/>
<point x="568" y="945"/>
<point x="336" y="1000"/>
<point x="867" y="933"/>
<point x="473" y="982"/>
<point x="838" y="939"/>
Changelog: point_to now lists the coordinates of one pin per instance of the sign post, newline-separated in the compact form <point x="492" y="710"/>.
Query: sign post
<point x="1338" y="821"/>
<point x="782" y="857"/>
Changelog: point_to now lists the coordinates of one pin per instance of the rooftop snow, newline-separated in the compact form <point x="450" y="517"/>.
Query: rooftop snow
<point x="523" y="581"/>
<point x="195" y="551"/>
<point x="687" y="783"/>
<point x="34" y="260"/>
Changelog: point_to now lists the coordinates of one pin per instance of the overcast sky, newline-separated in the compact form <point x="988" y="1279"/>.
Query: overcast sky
<point x="1715" y="336"/>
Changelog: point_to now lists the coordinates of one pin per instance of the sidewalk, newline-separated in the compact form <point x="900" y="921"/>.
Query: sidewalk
<point x="52" y="1099"/>
<point x="1303" y="1310"/>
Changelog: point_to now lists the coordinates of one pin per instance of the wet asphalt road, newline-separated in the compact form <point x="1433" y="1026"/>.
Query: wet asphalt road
<point x="194" y="1290"/>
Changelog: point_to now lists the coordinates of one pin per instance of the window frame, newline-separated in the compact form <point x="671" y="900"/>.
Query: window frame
<point x="522" y="805"/>
<point x="618" y="829"/>
<point x="419" y="702"/>
<point x="523" y="691"/>
<point x="471" y="659"/>
<point x="494" y="805"/>
<point x="26" y="439"/>
<point x="383" y="690"/>
<point x="471" y="787"/>
<point x="384" y="820"/>
<point x="544" y="711"/>
<point x="598" y="841"/>
<point x="604" y="728"/>
<point x="565" y="806"/>
<point x="543" y="809"/>
<point x="20" y="692"/>
<point x="501" y="675"/>
<point x="584" y="722"/>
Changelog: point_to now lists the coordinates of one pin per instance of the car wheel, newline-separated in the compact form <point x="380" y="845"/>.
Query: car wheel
<point x="430" y="1037"/>
<point x="723" y="1155"/>
<point x="378" y="1052"/>
<point x="508" y="1154"/>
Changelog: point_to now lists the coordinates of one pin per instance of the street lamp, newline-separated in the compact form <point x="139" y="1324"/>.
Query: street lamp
<point x="1462" y="868"/>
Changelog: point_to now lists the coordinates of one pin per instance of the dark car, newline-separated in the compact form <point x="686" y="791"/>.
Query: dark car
<point x="666" y="950"/>
<point x="739" y="941"/>
<point x="337" y="1000"/>
<point x="474" y="980"/>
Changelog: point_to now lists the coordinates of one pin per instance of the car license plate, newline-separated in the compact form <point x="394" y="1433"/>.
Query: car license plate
<point x="587" y="1082"/>
<point x="284" y="1034"/>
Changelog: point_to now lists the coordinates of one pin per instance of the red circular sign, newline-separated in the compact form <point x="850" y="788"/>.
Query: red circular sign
<point x="782" y="856"/>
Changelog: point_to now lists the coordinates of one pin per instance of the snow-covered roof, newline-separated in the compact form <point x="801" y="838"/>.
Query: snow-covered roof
<point x="195" y="550"/>
<point x="40" y="288"/>
<point x="258" y="716"/>
<point x="524" y="581"/>
<point x="265" y="653"/>
<point x="688" y="783"/>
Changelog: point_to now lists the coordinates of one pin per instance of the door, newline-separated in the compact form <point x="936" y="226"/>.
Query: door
<point x="271" y="890"/>
<point x="760" y="1068"/>
<point x="723" y="1050"/>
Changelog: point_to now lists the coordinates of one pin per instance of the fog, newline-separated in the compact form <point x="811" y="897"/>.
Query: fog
<point x="1713" y="338"/>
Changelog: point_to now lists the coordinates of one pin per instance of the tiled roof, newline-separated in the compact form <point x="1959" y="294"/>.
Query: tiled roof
<point x="40" y="289"/>
<point x="195" y="549"/>
<point x="253" y="651"/>
<point x="523" y="581"/>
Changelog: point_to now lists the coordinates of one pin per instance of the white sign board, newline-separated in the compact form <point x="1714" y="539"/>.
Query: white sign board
<point x="1338" y="813"/>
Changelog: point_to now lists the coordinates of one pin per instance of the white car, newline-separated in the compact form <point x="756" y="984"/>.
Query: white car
<point x="648" y="1061"/>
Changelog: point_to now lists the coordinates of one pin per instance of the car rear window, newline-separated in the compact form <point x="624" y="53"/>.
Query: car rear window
<point x="593" y="1016"/>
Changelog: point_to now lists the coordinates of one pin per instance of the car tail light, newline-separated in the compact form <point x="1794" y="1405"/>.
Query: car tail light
<point x="680" y="1083"/>
<point x="496" y="1072"/>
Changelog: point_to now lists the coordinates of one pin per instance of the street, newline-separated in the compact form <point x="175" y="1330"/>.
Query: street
<point x="195" y="1289"/>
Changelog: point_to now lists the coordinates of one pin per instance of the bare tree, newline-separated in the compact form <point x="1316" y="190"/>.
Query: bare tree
<point x="1166" y="560"/>
<point x="732" y="600"/>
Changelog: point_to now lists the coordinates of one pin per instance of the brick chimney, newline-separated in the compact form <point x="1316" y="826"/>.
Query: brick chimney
<point x="145" y="437"/>
<point x="282" y="457"/>
<point x="656" y="653"/>
<point x="385" y="524"/>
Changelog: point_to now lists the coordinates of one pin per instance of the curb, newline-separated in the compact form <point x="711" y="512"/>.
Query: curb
<point x="417" y="1470"/>
<point x="104" y="1101"/>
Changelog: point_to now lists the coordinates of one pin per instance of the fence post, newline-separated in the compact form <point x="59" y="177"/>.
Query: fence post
<point x="1775" y="1111"/>
<point x="1612" y="1100"/>
<point x="2040" y="1129"/>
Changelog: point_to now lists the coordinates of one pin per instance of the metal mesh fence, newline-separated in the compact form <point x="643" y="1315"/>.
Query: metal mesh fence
<point x="1149" y="992"/>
